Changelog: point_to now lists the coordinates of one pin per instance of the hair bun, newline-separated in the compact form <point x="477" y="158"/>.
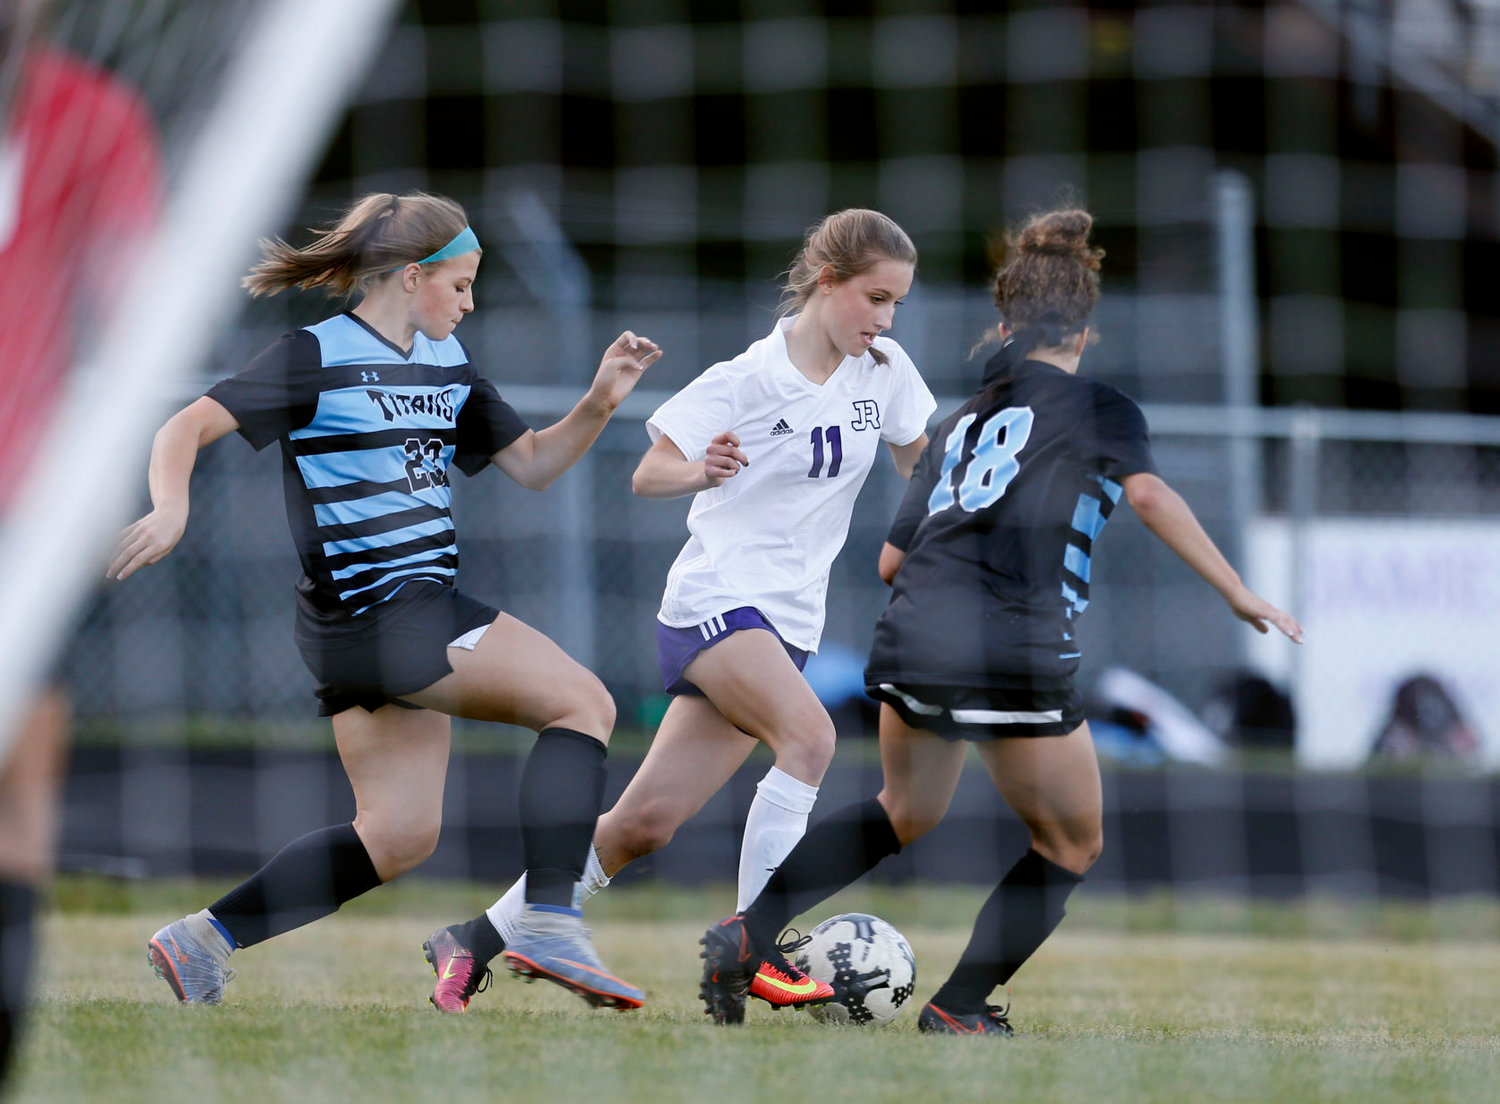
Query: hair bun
<point x="1051" y="272"/>
<point x="1060" y="233"/>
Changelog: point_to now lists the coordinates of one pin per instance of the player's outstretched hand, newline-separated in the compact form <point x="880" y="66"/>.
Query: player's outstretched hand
<point x="147" y="541"/>
<point x="1254" y="610"/>
<point x="723" y="458"/>
<point x="621" y="366"/>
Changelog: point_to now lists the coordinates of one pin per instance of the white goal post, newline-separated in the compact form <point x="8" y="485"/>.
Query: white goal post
<point x="279" y="101"/>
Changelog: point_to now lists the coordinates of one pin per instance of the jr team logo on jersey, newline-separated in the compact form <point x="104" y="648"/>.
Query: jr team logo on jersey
<point x="866" y="414"/>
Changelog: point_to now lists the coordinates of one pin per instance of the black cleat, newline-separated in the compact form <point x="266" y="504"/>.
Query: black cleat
<point x="729" y="965"/>
<point x="991" y="1021"/>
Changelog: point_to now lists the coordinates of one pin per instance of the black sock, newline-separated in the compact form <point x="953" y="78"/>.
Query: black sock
<point x="562" y="787"/>
<point x="480" y="936"/>
<point x="307" y="879"/>
<point x="836" y="851"/>
<point x="1017" y="918"/>
<point x="17" y="934"/>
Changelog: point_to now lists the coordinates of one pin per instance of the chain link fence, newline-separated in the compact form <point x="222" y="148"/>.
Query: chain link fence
<point x="204" y="639"/>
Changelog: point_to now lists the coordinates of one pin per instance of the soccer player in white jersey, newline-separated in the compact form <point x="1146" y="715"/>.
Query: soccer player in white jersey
<point x="774" y="445"/>
<point x="989" y="560"/>
<point x="372" y="409"/>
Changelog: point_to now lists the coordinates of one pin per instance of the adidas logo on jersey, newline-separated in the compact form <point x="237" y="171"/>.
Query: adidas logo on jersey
<point x="780" y="429"/>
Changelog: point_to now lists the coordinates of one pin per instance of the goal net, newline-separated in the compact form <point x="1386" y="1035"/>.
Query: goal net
<point x="148" y="144"/>
<point x="661" y="190"/>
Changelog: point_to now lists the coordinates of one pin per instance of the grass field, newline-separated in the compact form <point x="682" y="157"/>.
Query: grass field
<point x="1155" y="1000"/>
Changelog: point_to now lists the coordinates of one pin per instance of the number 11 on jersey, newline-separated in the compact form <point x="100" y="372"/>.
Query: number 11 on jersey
<point x="992" y="466"/>
<point x="835" y="451"/>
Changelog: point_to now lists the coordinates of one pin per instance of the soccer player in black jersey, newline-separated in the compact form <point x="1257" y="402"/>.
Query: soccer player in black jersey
<point x="372" y="408"/>
<point x="989" y="564"/>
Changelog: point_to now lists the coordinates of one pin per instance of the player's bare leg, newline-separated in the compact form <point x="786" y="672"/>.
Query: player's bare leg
<point x="397" y="763"/>
<point x="1052" y="783"/>
<point x="755" y="685"/>
<point x="696" y="751"/>
<point x="921" y="773"/>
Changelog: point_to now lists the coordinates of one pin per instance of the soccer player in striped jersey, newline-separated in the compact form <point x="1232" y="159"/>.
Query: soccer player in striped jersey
<point x="774" y="445"/>
<point x="989" y="562"/>
<point x="372" y="409"/>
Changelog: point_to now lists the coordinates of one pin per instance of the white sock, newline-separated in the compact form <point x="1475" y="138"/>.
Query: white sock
<point x="506" y="911"/>
<point x="777" y="820"/>
<point x="206" y="932"/>
<point x="594" y="879"/>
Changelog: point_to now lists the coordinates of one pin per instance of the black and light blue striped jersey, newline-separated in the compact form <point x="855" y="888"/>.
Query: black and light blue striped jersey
<point x="368" y="434"/>
<point x="998" y="527"/>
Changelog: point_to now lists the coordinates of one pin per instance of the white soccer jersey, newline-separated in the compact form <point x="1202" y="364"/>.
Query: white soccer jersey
<point x="767" y="537"/>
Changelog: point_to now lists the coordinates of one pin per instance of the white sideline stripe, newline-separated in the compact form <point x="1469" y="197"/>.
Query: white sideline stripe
<point x="974" y="716"/>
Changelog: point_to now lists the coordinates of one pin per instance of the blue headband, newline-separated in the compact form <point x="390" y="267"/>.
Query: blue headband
<point x="465" y="242"/>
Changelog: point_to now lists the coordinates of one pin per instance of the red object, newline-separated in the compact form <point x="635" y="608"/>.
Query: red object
<point x="79" y="185"/>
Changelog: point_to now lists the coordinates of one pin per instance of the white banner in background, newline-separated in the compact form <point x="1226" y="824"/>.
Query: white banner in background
<point x="1381" y="600"/>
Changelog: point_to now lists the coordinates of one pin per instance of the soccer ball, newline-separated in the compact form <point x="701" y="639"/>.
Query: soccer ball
<point x="868" y="963"/>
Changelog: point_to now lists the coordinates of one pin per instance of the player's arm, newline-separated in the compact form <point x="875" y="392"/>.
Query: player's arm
<point x="536" y="458"/>
<point x="1167" y="515"/>
<point x="921" y="469"/>
<point x="664" y="472"/>
<point x="891" y="559"/>
<point x="906" y="456"/>
<point x="174" y="452"/>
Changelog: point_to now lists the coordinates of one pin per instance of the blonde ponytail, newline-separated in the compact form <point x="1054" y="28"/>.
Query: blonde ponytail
<point x="376" y="234"/>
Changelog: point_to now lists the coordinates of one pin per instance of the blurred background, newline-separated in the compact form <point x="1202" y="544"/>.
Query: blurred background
<point x="1301" y="211"/>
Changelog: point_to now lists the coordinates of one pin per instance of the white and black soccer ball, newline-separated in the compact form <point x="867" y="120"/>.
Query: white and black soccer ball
<point x="868" y="963"/>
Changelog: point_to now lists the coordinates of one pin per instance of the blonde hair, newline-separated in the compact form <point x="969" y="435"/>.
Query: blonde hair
<point x="849" y="242"/>
<point x="376" y="234"/>
<point x="1051" y="276"/>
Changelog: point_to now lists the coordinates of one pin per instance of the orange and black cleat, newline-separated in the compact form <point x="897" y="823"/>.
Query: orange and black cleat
<point x="992" y="1020"/>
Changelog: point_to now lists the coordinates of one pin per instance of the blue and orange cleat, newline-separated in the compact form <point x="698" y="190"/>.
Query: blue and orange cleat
<point x="459" y="976"/>
<point x="189" y="955"/>
<point x="550" y="942"/>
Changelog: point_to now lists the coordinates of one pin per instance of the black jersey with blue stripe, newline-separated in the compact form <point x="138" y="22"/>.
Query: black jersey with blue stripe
<point x="368" y="433"/>
<point x="998" y="527"/>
